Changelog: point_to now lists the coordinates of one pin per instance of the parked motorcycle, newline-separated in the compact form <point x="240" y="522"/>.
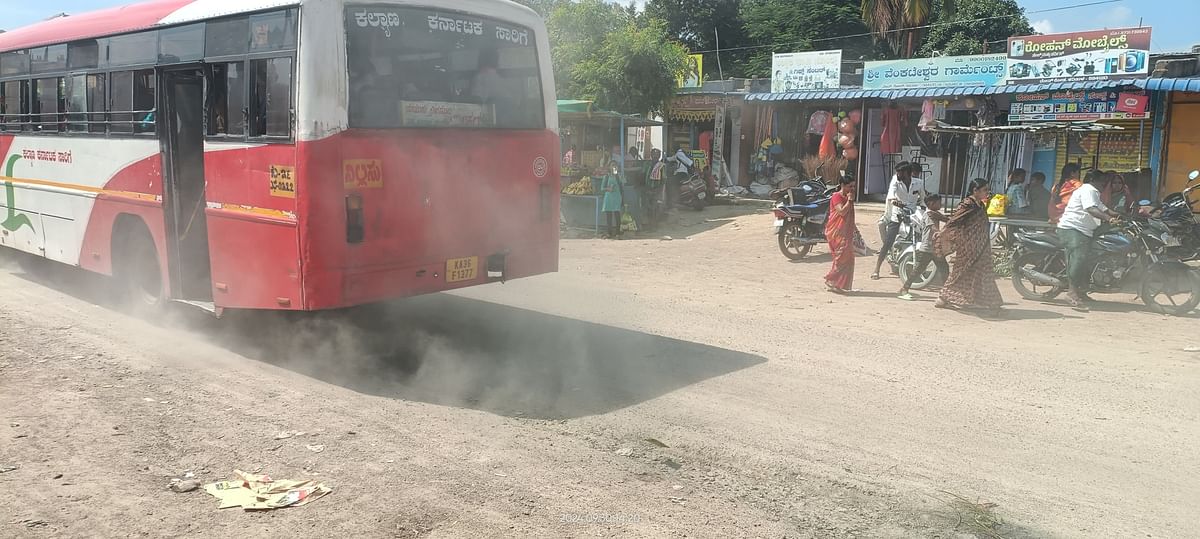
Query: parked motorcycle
<point x="1133" y="254"/>
<point x="693" y="192"/>
<point x="800" y="214"/>
<point x="1176" y="214"/>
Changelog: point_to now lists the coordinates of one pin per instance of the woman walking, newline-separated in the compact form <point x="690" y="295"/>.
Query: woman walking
<point x="840" y="231"/>
<point x="972" y="281"/>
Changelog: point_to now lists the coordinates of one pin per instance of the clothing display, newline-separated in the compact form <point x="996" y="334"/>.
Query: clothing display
<point x="889" y="140"/>
<point x="818" y="121"/>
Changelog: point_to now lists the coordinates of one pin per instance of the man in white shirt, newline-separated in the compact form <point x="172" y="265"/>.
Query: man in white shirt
<point x="681" y="157"/>
<point x="905" y="191"/>
<point x="1084" y="213"/>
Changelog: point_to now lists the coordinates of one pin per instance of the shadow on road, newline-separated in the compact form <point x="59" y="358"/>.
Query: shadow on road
<point x="454" y="351"/>
<point x="449" y="350"/>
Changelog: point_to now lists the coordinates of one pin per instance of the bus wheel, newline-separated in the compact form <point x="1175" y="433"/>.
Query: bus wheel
<point x="135" y="266"/>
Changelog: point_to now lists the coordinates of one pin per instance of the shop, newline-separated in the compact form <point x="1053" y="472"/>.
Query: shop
<point x="588" y="138"/>
<point x="708" y="122"/>
<point x="1177" y="132"/>
<point x="1126" y="148"/>
<point x="812" y="133"/>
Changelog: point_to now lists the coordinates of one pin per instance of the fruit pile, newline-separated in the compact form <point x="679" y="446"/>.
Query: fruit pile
<point x="581" y="187"/>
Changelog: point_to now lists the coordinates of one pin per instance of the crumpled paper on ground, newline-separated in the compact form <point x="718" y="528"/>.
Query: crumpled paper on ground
<point x="259" y="492"/>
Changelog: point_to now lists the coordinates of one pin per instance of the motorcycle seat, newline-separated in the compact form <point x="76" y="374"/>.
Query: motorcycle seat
<point x="796" y="208"/>
<point x="1042" y="237"/>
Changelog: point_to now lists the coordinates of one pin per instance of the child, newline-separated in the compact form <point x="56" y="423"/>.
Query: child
<point x="1018" y="194"/>
<point x="611" y="205"/>
<point x="926" y="224"/>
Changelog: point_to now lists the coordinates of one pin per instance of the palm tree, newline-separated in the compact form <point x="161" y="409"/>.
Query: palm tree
<point x="900" y="22"/>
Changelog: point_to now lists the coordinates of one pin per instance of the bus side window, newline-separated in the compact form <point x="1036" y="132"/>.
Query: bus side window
<point x="14" y="104"/>
<point x="120" y="102"/>
<point x="227" y="99"/>
<point x="271" y="97"/>
<point x="76" y="99"/>
<point x="95" y="103"/>
<point x="143" y="101"/>
<point x="48" y="100"/>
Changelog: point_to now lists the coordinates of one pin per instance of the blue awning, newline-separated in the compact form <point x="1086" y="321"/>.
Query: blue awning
<point x="1170" y="85"/>
<point x="949" y="91"/>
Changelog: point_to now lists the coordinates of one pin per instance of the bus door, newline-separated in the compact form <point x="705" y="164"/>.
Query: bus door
<point x="181" y="133"/>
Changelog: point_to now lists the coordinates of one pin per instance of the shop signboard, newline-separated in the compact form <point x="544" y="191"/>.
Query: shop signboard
<point x="975" y="70"/>
<point x="1073" y="106"/>
<point x="1080" y="56"/>
<point x="799" y="71"/>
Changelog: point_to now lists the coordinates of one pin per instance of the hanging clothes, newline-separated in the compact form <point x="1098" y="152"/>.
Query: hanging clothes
<point x="706" y="143"/>
<point x="889" y="140"/>
<point x="817" y="122"/>
<point x="829" y="141"/>
<point x="927" y="114"/>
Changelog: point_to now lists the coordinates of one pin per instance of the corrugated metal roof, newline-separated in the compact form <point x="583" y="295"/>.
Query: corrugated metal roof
<point x="1171" y="85"/>
<point x="950" y="91"/>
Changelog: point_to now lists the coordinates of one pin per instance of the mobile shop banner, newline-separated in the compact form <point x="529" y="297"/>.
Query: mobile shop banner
<point x="1071" y="106"/>
<point x="977" y="70"/>
<point x="820" y="70"/>
<point x="1080" y="56"/>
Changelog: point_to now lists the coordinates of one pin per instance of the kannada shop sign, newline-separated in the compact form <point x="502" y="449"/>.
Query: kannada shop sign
<point x="977" y="70"/>
<point x="797" y="71"/>
<point x="1081" y="56"/>
<point x="1071" y="106"/>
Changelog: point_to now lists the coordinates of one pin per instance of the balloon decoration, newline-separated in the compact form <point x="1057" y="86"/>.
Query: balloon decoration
<point x="847" y="124"/>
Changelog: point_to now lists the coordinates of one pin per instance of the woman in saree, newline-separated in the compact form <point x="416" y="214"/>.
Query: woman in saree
<point x="840" y="231"/>
<point x="972" y="282"/>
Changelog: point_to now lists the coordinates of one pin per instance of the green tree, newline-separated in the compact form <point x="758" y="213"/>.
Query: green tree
<point x="542" y="7"/>
<point x="604" y="52"/>
<point x="636" y="69"/>
<point x="780" y="26"/>
<point x="899" y="22"/>
<point x="975" y="27"/>
<point x="698" y="23"/>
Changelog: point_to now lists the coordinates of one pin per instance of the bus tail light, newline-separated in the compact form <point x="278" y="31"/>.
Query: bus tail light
<point x="354" y="218"/>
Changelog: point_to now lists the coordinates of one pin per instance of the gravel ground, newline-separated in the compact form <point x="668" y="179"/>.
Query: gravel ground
<point x="697" y="387"/>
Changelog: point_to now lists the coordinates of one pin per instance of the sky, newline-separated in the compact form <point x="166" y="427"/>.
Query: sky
<point x="1172" y="20"/>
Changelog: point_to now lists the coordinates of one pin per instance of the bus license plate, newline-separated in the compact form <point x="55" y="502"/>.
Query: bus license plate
<point x="462" y="269"/>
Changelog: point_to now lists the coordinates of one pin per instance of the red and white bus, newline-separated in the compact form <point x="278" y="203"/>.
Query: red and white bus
<point x="276" y="154"/>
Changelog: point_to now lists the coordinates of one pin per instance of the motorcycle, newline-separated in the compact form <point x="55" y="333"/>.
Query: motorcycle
<point x="903" y="256"/>
<point x="800" y="214"/>
<point x="693" y="192"/>
<point x="1133" y="254"/>
<point x="1176" y="214"/>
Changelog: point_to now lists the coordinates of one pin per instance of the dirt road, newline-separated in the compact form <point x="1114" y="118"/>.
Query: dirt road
<point x="700" y="387"/>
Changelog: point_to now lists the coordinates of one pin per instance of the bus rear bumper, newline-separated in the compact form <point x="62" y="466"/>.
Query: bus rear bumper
<point x="335" y="289"/>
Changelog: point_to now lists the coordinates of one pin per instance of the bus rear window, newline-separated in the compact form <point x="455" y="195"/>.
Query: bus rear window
<point x="427" y="68"/>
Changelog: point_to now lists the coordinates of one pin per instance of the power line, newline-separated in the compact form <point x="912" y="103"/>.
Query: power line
<point x="924" y="26"/>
